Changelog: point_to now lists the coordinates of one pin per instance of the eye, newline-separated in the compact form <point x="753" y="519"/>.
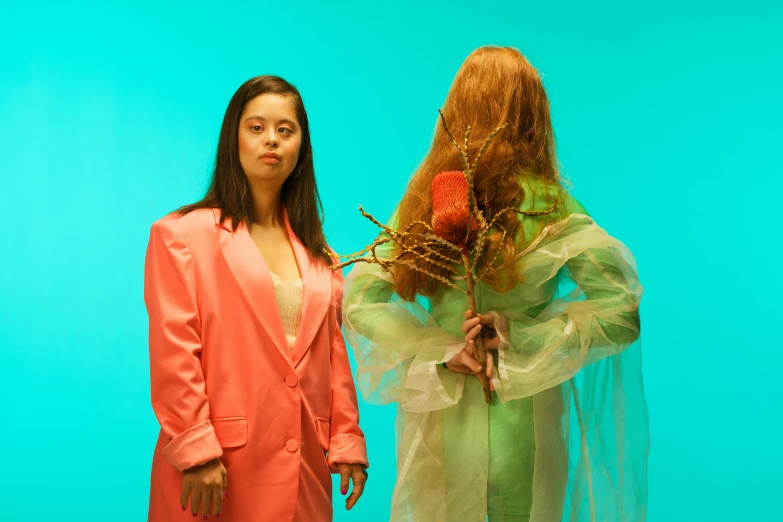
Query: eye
<point x="256" y="128"/>
<point x="284" y="130"/>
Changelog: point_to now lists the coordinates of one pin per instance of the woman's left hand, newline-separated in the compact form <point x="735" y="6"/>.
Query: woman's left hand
<point x="357" y="473"/>
<point x="484" y="325"/>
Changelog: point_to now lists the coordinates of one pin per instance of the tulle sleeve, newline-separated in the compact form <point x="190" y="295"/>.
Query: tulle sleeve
<point x="586" y="283"/>
<point x="398" y="345"/>
<point x="570" y="340"/>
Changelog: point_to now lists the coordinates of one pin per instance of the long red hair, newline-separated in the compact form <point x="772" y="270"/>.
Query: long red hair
<point x="494" y="85"/>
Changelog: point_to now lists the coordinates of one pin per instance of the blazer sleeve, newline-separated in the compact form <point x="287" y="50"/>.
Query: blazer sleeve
<point x="346" y="443"/>
<point x="177" y="382"/>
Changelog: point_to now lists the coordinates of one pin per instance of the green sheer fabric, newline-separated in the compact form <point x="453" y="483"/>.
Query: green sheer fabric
<point x="566" y="436"/>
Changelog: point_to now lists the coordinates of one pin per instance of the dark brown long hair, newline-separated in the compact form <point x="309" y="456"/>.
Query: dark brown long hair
<point x="229" y="190"/>
<point x="494" y="85"/>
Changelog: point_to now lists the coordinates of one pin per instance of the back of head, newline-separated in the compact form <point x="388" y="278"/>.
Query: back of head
<point x="494" y="85"/>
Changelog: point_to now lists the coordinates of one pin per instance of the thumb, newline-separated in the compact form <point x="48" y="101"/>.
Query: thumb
<point x="490" y="365"/>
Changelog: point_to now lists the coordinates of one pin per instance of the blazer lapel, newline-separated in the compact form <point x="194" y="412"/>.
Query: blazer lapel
<point x="317" y="283"/>
<point x="254" y="279"/>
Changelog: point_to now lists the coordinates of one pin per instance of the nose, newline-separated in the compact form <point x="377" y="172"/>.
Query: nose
<point x="271" y="140"/>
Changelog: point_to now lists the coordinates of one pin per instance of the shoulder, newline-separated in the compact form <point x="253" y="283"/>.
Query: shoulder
<point x="537" y="195"/>
<point x="193" y="234"/>
<point x="196" y="222"/>
<point x="571" y="205"/>
<point x="337" y="284"/>
<point x="336" y="274"/>
<point x="552" y="200"/>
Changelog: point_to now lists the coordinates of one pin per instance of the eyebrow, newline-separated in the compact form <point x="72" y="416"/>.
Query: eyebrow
<point x="264" y="119"/>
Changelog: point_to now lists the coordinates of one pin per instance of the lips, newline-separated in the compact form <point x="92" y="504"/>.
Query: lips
<point x="270" y="158"/>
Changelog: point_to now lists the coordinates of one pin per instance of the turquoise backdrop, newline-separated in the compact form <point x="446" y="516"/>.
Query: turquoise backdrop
<point x="668" y="119"/>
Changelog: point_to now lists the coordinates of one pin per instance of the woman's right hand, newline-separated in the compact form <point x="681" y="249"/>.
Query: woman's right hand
<point x="467" y="360"/>
<point x="206" y="486"/>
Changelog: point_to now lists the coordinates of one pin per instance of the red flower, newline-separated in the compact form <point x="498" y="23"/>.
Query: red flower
<point x="450" y="209"/>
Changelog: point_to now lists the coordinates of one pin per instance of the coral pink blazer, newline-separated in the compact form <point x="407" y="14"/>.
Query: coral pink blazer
<point x="225" y="384"/>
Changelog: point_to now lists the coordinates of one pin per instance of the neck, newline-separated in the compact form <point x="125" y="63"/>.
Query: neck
<point x="266" y="205"/>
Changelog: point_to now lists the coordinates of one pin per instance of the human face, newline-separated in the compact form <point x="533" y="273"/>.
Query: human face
<point x="269" y="138"/>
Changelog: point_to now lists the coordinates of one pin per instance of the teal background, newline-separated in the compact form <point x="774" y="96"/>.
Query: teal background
<point x="668" y="118"/>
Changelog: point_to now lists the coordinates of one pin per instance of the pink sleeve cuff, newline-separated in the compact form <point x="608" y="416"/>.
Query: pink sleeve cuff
<point x="193" y="446"/>
<point x="347" y="449"/>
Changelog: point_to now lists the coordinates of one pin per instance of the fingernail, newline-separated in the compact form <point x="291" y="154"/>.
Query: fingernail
<point x="205" y="518"/>
<point x="184" y="508"/>
<point x="225" y="495"/>
<point x="343" y="491"/>
<point x="217" y="516"/>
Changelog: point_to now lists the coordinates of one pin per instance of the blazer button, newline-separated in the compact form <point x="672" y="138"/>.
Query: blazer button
<point x="292" y="445"/>
<point x="291" y="380"/>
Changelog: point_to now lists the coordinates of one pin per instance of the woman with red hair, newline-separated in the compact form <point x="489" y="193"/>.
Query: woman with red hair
<point x="565" y="436"/>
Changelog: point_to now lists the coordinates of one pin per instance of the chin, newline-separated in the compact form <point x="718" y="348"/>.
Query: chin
<point x="266" y="176"/>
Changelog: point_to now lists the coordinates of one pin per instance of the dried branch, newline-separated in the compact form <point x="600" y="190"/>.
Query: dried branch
<point x="388" y="230"/>
<point x="410" y="243"/>
<point x="463" y="153"/>
<point x="432" y="236"/>
<point x="428" y="248"/>
<point x="443" y="280"/>
<point x="380" y="240"/>
<point x="443" y="242"/>
<point x="419" y="248"/>
<point x="480" y="242"/>
<point x="486" y="145"/>
<point x="411" y="250"/>
<point x="491" y="264"/>
<point x="497" y="216"/>
<point x="536" y="213"/>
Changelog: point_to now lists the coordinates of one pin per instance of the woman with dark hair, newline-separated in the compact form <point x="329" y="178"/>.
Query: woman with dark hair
<point x="565" y="436"/>
<point x="250" y="378"/>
